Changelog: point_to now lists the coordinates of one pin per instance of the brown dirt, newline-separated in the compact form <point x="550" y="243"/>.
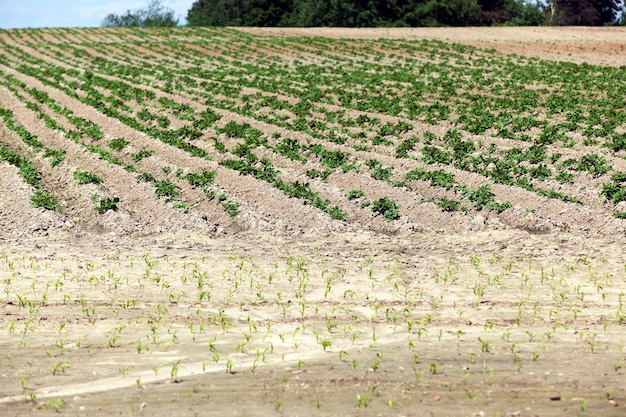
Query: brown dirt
<point x="156" y="310"/>
<point x="599" y="46"/>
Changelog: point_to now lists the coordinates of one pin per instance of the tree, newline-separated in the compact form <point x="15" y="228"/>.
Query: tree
<point x="265" y="12"/>
<point x="377" y="13"/>
<point x="457" y="12"/>
<point x="529" y="14"/>
<point x="155" y="14"/>
<point x="512" y="12"/>
<point x="586" y="12"/>
<point x="216" y="13"/>
<point x="239" y="13"/>
<point x="309" y="13"/>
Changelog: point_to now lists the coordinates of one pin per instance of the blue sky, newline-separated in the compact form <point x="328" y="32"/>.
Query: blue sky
<point x="73" y="13"/>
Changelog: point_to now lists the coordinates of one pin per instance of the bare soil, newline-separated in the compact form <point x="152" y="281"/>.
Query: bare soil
<point x="152" y="310"/>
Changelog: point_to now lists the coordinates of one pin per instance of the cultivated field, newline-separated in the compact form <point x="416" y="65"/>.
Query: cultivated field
<point x="313" y="222"/>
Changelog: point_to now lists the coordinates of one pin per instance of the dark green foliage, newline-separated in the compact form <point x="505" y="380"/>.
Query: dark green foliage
<point x="45" y="200"/>
<point x="314" y="173"/>
<point x="564" y="177"/>
<point x="93" y="132"/>
<point x="145" y="115"/>
<point x="265" y="12"/>
<point x="552" y="193"/>
<point x="461" y="148"/>
<point x="146" y="177"/>
<point x="155" y="14"/>
<point x="379" y="140"/>
<point x="614" y="191"/>
<point x="407" y="145"/>
<point x="454" y="12"/>
<point x="391" y="129"/>
<point x="27" y="169"/>
<point x="448" y="205"/>
<point x="203" y="180"/>
<point x="482" y="197"/>
<point x="263" y="170"/>
<point x="27" y="137"/>
<point x="441" y="178"/>
<point x="359" y="13"/>
<point x="331" y="159"/>
<point x="619" y="177"/>
<point x="620" y="214"/>
<point x="252" y="137"/>
<point x="216" y="13"/>
<point x="107" y="204"/>
<point x="231" y="208"/>
<point x="540" y="172"/>
<point x="57" y="156"/>
<point x="352" y="194"/>
<point x="163" y="122"/>
<point x="387" y="207"/>
<point x="142" y="154"/>
<point x="498" y="207"/>
<point x="118" y="144"/>
<point x="587" y="12"/>
<point x="105" y="155"/>
<point x="167" y="189"/>
<point x="617" y="142"/>
<point x="336" y="213"/>
<point x="432" y="155"/>
<point x="382" y="173"/>
<point x="84" y="177"/>
<point x="507" y="12"/>
<point x="291" y="149"/>
<point x="593" y="164"/>
<point x="207" y="119"/>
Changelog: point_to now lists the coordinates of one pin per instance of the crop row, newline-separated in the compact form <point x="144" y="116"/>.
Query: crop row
<point x="506" y="118"/>
<point x="86" y="134"/>
<point x="349" y="315"/>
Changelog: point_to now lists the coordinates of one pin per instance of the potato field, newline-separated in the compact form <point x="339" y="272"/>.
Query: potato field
<point x="229" y="221"/>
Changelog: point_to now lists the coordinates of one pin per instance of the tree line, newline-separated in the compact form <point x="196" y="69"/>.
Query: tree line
<point x="379" y="13"/>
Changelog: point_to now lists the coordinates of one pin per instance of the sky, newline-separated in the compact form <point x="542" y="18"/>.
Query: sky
<point x="74" y="13"/>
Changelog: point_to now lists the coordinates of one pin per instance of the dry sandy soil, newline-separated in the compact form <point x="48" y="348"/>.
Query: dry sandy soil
<point x="152" y="311"/>
<point x="601" y="46"/>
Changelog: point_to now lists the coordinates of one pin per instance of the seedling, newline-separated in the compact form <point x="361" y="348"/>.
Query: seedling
<point x="484" y="345"/>
<point x="59" y="367"/>
<point x="278" y="403"/>
<point x="124" y="370"/>
<point x="174" y="370"/>
<point x="432" y="368"/>
<point x="362" y="401"/>
<point x="326" y="343"/>
<point x="319" y="401"/>
<point x="55" y="404"/>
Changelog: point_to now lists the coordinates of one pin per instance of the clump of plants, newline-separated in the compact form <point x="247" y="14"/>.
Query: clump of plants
<point x="45" y="200"/>
<point x="106" y="204"/>
<point x="387" y="208"/>
<point x="84" y="177"/>
<point x="118" y="144"/>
